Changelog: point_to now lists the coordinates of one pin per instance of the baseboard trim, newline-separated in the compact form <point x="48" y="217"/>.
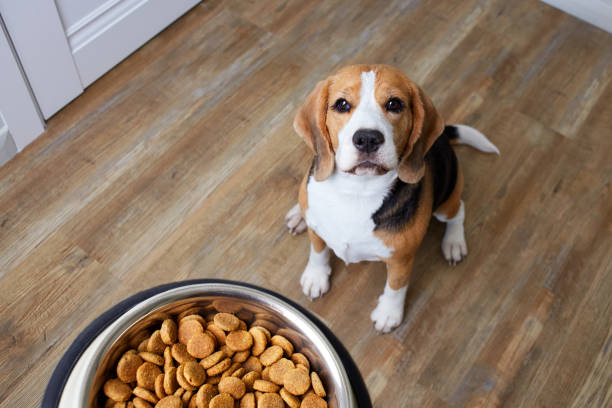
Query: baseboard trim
<point x="117" y="28"/>
<point x="595" y="12"/>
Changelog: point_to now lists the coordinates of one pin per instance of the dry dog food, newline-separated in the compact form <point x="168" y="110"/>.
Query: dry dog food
<point x="214" y="362"/>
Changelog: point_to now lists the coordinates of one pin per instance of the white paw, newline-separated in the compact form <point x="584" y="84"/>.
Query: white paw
<point x="454" y="247"/>
<point x="387" y="315"/>
<point x="315" y="280"/>
<point x="295" y="223"/>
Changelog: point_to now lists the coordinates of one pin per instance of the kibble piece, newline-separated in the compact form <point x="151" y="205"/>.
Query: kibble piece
<point x="221" y="401"/>
<point x="265" y="374"/>
<point x="241" y="356"/>
<point x="291" y="400"/>
<point x="220" y="367"/>
<point x="249" y="378"/>
<point x="217" y="332"/>
<point x="143" y="345"/>
<point x="213" y="380"/>
<point x="213" y="359"/>
<point x="152" y="358"/>
<point x="117" y="390"/>
<point x="278" y="370"/>
<point x="146" y="375"/>
<point x="227" y="350"/>
<point x="232" y="386"/>
<point x="169" y="332"/>
<point x="260" y="341"/>
<point x="283" y="343"/>
<point x="194" y="373"/>
<point x="313" y="401"/>
<point x="239" y="340"/>
<point x="182" y="381"/>
<point x="168" y="362"/>
<point x="252" y="364"/>
<point x="204" y="395"/>
<point x="296" y="381"/>
<point x="200" y="345"/>
<point x="317" y="384"/>
<point x="180" y="354"/>
<point x="127" y="366"/>
<point x="302" y="367"/>
<point x="247" y="401"/>
<point x="270" y="400"/>
<point x="186" y="397"/>
<point x="171" y="401"/>
<point x="170" y="383"/>
<point x="299" y="358"/>
<point x="159" y="386"/>
<point x="226" y="321"/>
<point x="140" y="403"/>
<point x="196" y="317"/>
<point x="155" y="344"/>
<point x="265" y="386"/>
<point x="271" y="355"/>
<point x="187" y="329"/>
<point x="145" y="395"/>
<point x="230" y="370"/>
<point x="239" y="372"/>
<point x="179" y="392"/>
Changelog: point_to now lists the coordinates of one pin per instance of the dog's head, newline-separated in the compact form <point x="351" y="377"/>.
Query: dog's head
<point x="368" y="120"/>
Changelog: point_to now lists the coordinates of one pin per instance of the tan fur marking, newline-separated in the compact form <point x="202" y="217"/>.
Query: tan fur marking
<point x="317" y="242"/>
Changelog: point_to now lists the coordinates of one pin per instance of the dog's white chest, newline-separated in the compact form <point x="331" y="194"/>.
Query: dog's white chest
<point x="340" y="211"/>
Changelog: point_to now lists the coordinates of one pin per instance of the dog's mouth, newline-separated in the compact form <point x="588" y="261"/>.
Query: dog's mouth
<point x="368" y="168"/>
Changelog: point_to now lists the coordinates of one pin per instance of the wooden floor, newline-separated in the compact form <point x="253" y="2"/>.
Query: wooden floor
<point x="181" y="163"/>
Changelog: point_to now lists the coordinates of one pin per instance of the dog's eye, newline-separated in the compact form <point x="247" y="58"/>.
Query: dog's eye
<point x="394" y="105"/>
<point x="341" y="105"/>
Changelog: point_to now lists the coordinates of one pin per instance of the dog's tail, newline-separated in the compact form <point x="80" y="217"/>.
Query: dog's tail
<point x="462" y="134"/>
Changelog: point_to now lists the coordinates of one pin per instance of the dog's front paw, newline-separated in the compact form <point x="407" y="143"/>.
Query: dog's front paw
<point x="294" y="220"/>
<point x="454" y="246"/>
<point x="387" y="315"/>
<point x="315" y="280"/>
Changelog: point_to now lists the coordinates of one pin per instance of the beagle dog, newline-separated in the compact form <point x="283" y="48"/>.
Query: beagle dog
<point x="383" y="164"/>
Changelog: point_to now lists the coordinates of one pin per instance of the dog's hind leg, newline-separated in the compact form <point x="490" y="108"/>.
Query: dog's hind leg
<point x="452" y="212"/>
<point x="294" y="220"/>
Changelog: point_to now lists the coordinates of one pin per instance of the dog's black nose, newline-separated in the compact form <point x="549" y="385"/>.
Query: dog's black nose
<point x="368" y="140"/>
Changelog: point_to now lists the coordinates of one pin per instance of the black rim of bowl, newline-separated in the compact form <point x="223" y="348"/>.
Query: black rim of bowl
<point x="63" y="369"/>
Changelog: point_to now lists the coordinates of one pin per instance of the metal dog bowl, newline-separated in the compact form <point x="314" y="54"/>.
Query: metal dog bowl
<point x="78" y="378"/>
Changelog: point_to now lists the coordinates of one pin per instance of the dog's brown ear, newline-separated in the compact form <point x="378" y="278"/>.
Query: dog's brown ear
<point x="427" y="125"/>
<point x="310" y="124"/>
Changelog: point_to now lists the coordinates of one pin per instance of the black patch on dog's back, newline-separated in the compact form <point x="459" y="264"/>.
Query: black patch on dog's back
<point x="443" y="162"/>
<point x="398" y="207"/>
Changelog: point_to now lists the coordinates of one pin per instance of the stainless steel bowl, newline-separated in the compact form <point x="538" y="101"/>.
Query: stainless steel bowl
<point x="248" y="303"/>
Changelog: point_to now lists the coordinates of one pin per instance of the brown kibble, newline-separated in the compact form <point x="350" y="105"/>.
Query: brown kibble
<point x="233" y="386"/>
<point x="239" y="372"/>
<point x="146" y="375"/>
<point x="117" y="390"/>
<point x="248" y="400"/>
<point x="278" y="370"/>
<point x="152" y="358"/>
<point x="299" y="358"/>
<point x="252" y="364"/>
<point x="296" y="381"/>
<point x="265" y="386"/>
<point x="170" y="383"/>
<point x="226" y="350"/>
<point x="140" y="403"/>
<point x="271" y="355"/>
<point x="302" y="367"/>
<point x="186" y="397"/>
<point x="182" y="381"/>
<point x="179" y="392"/>
<point x="270" y="400"/>
<point x="155" y="344"/>
<point x="204" y="395"/>
<point x="213" y="359"/>
<point x="317" y="384"/>
<point x="239" y="340"/>
<point x="265" y="374"/>
<point x="313" y="401"/>
<point x="249" y="378"/>
<point x="145" y="395"/>
<point x="127" y="366"/>
<point x="188" y="329"/>
<point x="283" y="343"/>
<point x="226" y="321"/>
<point x="196" y="317"/>
<point x="180" y="354"/>
<point x="221" y="401"/>
<point x="171" y="401"/>
<point x="217" y="332"/>
<point x="200" y="345"/>
<point x="143" y="345"/>
<point x="230" y="370"/>
<point x="220" y="367"/>
<point x="260" y="341"/>
<point x="213" y="380"/>
<point x="159" y="386"/>
<point x="194" y="373"/>
<point x="169" y="332"/>
<point x="168" y="362"/>
<point x="290" y="399"/>
<point x="241" y="356"/>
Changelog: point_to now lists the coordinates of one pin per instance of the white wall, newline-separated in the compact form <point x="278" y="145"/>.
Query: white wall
<point x="596" y="12"/>
<point x="72" y="11"/>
